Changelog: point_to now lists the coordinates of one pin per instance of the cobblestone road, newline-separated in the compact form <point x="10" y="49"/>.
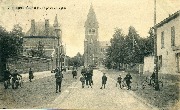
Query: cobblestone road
<point x="95" y="98"/>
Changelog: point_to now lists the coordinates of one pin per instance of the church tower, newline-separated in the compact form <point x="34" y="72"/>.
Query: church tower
<point x="91" y="43"/>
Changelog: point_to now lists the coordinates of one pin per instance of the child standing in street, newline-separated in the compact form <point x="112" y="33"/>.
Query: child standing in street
<point x="82" y="79"/>
<point x="104" y="79"/>
<point x="119" y="81"/>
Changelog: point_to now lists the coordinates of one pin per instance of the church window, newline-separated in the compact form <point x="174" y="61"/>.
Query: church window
<point x="91" y="31"/>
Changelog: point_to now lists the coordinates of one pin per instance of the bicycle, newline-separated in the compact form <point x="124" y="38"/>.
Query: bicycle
<point x="151" y="82"/>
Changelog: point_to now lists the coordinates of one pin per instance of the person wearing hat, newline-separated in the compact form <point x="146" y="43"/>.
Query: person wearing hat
<point x="119" y="81"/>
<point x="104" y="79"/>
<point x="58" y="77"/>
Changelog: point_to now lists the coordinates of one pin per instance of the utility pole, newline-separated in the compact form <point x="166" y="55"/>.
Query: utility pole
<point x="155" y="50"/>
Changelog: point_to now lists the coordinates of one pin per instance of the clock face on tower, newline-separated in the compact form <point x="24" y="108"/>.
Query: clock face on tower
<point x="91" y="31"/>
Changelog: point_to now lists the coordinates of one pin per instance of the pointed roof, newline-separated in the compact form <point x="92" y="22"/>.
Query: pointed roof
<point x="56" y="24"/>
<point x="91" y="18"/>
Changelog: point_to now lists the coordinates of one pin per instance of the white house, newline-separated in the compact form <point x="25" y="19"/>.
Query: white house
<point x="168" y="44"/>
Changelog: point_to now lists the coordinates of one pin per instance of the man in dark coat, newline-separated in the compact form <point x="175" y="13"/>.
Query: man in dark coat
<point x="88" y="78"/>
<point x="104" y="79"/>
<point x="7" y="75"/>
<point x="31" y="76"/>
<point x="58" y="77"/>
<point x="91" y="71"/>
<point x="74" y="73"/>
<point x="128" y="81"/>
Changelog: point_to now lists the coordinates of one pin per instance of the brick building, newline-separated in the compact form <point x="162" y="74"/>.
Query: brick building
<point x="47" y="35"/>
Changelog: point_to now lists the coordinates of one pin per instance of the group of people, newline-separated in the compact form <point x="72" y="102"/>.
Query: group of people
<point x="127" y="80"/>
<point x="14" y="76"/>
<point x="86" y="78"/>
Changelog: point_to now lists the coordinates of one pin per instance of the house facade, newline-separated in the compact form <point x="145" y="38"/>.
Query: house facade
<point x="168" y="44"/>
<point x="49" y="36"/>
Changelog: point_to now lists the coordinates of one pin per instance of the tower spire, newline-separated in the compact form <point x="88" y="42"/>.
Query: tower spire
<point x="56" y="24"/>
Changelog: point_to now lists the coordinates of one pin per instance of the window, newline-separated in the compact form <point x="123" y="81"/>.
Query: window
<point x="173" y="36"/>
<point x="91" y="31"/>
<point x="162" y="39"/>
<point x="160" y="62"/>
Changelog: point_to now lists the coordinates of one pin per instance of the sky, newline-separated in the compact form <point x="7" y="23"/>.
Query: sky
<point x="109" y="13"/>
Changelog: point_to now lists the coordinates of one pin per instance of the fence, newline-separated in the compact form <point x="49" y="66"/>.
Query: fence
<point x="23" y="64"/>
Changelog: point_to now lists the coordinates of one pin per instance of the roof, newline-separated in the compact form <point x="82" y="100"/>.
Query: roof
<point x="91" y="18"/>
<point x="40" y="30"/>
<point x="168" y="19"/>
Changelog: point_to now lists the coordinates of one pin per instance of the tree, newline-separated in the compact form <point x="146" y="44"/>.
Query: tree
<point x="134" y="45"/>
<point x="76" y="61"/>
<point x="115" y="53"/>
<point x="38" y="51"/>
<point x="129" y="49"/>
<point x="10" y="44"/>
<point x="149" y="43"/>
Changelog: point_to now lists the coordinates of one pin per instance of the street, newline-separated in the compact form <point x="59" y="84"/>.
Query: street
<point x="76" y="97"/>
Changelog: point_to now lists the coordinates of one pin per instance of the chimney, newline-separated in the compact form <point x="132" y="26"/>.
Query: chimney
<point x="47" y="27"/>
<point x="32" y="27"/>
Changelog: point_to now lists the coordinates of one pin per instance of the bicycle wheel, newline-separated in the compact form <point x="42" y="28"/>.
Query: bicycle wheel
<point x="143" y="84"/>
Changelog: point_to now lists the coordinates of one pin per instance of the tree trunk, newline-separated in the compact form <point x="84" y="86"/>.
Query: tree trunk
<point x="2" y="68"/>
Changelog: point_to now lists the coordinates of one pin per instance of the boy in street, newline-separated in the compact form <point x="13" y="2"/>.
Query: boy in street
<point x="104" y="79"/>
<point x="30" y="75"/>
<point x="82" y="79"/>
<point x="119" y="81"/>
<point x="128" y="81"/>
<point x="58" y="77"/>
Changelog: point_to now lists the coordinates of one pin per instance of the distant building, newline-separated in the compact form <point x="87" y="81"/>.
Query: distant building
<point x="47" y="35"/>
<point x="94" y="50"/>
<point x="91" y="43"/>
<point x="41" y="32"/>
<point x="168" y="44"/>
<point x="104" y="45"/>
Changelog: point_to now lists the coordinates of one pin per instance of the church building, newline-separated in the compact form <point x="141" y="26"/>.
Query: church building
<point x="92" y="46"/>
